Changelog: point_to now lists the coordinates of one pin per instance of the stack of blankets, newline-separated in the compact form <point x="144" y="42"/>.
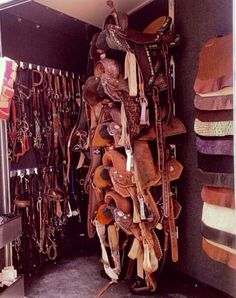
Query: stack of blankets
<point x="214" y="140"/>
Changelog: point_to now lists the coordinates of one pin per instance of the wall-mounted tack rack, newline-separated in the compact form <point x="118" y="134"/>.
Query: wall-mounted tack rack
<point x="47" y="69"/>
<point x="22" y="172"/>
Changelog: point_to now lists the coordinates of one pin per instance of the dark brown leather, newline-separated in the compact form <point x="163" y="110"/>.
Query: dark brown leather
<point x="218" y="236"/>
<point x="91" y="91"/>
<point x="208" y="116"/>
<point x="219" y="196"/>
<point x="216" y="179"/>
<point x="215" y="163"/>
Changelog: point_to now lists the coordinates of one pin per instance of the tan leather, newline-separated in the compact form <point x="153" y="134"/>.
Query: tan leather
<point x="101" y="136"/>
<point x="218" y="254"/>
<point x="219" y="196"/>
<point x="121" y="179"/>
<point x="159" y="24"/>
<point x="101" y="177"/>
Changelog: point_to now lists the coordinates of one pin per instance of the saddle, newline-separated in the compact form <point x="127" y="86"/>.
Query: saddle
<point x="126" y="172"/>
<point x="212" y="77"/>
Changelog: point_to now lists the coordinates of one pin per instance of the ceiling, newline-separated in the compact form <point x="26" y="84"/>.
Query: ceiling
<point x="92" y="11"/>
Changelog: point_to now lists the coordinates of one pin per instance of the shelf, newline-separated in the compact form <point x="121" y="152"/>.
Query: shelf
<point x="10" y="230"/>
<point x="16" y="290"/>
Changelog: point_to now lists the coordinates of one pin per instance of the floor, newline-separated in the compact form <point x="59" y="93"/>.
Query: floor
<point x="80" y="277"/>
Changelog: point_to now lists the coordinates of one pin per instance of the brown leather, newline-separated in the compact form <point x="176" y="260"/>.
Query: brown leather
<point x="21" y="203"/>
<point x="103" y="219"/>
<point x="214" y="103"/>
<point x="205" y="86"/>
<point x="91" y="91"/>
<point x="175" y="170"/>
<point x="121" y="179"/>
<point x="101" y="178"/>
<point x="209" y="116"/>
<point x="216" y="179"/>
<point x="148" y="175"/>
<point x="108" y="66"/>
<point x="114" y="199"/>
<point x="93" y="54"/>
<point x="160" y="24"/>
<point x="117" y="18"/>
<point x="176" y="127"/>
<point x="218" y="254"/>
<point x="213" y="76"/>
<point x="220" y="196"/>
<point x="101" y="136"/>
<point x="91" y="213"/>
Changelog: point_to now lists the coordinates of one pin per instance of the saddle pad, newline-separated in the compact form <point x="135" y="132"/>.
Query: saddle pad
<point x="215" y="147"/>
<point x="220" y="92"/>
<point x="216" y="179"/>
<point x="8" y="69"/>
<point x="219" y="196"/>
<point x="214" y="116"/>
<point x="213" y="103"/>
<point x="219" y="253"/>
<point x="215" y="163"/>
<point x="219" y="218"/>
<point x="218" y="236"/>
<point x="213" y="129"/>
<point x="216" y="49"/>
<point x="213" y="76"/>
<point x="204" y="86"/>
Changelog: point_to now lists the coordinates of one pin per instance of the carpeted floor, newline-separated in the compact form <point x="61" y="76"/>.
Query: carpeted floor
<point x="80" y="277"/>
